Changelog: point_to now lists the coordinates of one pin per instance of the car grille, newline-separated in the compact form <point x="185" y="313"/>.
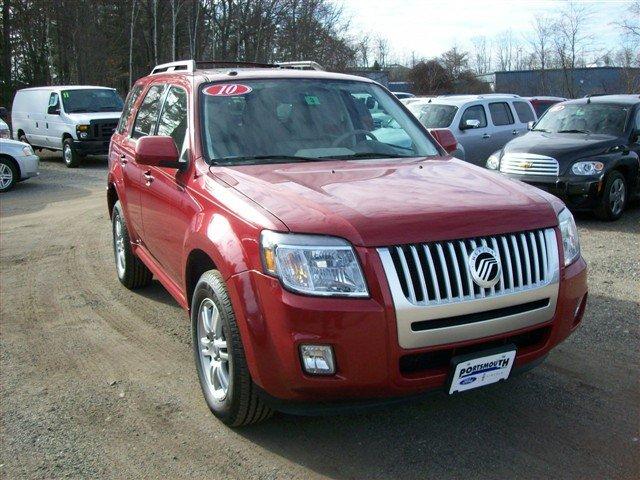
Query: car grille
<point x="102" y="130"/>
<point x="439" y="272"/>
<point x="529" y="164"/>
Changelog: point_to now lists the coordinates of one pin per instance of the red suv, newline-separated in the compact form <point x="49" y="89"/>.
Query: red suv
<point x="327" y="263"/>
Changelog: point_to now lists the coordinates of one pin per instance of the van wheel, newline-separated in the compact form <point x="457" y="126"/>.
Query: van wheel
<point x="132" y="273"/>
<point x="8" y="175"/>
<point x="221" y="364"/>
<point x="69" y="154"/>
<point x="614" y="197"/>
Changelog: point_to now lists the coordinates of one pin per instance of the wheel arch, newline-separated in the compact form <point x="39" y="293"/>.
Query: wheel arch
<point x="14" y="163"/>
<point x="198" y="262"/>
<point x="112" y="197"/>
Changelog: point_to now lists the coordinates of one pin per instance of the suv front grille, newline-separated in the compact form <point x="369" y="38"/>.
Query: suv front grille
<point x="439" y="272"/>
<point x="529" y="164"/>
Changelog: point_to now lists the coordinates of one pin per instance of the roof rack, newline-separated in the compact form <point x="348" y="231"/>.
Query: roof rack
<point x="189" y="66"/>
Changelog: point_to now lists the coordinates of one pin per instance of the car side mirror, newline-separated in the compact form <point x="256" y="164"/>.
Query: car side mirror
<point x="445" y="138"/>
<point x="158" y="151"/>
<point x="530" y="125"/>
<point x="470" y="123"/>
<point x="53" y="110"/>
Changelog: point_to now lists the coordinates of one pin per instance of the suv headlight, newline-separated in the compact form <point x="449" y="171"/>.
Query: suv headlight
<point x="313" y="264"/>
<point x="493" y="162"/>
<point x="587" y="168"/>
<point x="570" y="239"/>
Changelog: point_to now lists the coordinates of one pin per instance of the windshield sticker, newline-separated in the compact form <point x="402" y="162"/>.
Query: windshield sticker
<point x="227" y="90"/>
<point x="65" y="94"/>
<point x="311" y="100"/>
<point x="557" y="108"/>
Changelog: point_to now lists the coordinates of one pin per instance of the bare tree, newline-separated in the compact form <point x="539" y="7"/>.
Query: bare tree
<point x="504" y="45"/>
<point x="481" y="55"/>
<point x="134" y="9"/>
<point x="455" y="61"/>
<point x="382" y="50"/>
<point x="631" y="24"/>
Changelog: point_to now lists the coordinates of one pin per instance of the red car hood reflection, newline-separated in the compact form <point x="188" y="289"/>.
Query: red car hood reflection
<point x="390" y="202"/>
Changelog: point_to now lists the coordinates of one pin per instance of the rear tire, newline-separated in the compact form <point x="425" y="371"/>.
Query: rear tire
<point x="132" y="273"/>
<point x="219" y="355"/>
<point x="614" y="197"/>
<point x="71" y="158"/>
<point x="8" y="175"/>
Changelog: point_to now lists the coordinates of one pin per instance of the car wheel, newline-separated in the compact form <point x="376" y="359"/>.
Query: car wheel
<point x="8" y="175"/>
<point x="221" y="364"/>
<point x="70" y="156"/>
<point x="132" y="273"/>
<point x="614" y="197"/>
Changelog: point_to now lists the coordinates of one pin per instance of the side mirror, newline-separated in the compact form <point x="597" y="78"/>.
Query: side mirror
<point x="157" y="151"/>
<point x="445" y="138"/>
<point x="530" y="125"/>
<point x="470" y="123"/>
<point x="53" y="110"/>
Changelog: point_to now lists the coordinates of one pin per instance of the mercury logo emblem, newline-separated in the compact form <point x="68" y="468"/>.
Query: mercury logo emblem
<point x="485" y="267"/>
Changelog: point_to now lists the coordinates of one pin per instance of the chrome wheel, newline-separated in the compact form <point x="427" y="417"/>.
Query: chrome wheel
<point x="214" y="356"/>
<point x="6" y="176"/>
<point x="617" y="196"/>
<point x="68" y="154"/>
<point x="118" y="246"/>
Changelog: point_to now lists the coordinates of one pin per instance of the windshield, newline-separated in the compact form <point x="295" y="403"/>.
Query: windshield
<point x="432" y="115"/>
<point x="91" y="100"/>
<point x="275" y="120"/>
<point x="595" y="118"/>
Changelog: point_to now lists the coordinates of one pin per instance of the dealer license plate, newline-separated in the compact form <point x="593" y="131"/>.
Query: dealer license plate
<point x="473" y="372"/>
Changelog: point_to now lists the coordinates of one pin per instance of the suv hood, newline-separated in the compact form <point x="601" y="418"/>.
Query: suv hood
<point x="88" y="116"/>
<point x="564" y="147"/>
<point x="387" y="202"/>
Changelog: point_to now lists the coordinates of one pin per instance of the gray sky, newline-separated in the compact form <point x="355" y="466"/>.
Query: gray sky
<point x="429" y="27"/>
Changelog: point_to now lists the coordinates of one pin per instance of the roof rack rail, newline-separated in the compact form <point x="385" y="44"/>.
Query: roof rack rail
<point x="180" y="66"/>
<point x="232" y="63"/>
<point x="301" y="65"/>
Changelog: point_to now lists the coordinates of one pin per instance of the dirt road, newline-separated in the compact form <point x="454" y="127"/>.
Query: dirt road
<point x="97" y="381"/>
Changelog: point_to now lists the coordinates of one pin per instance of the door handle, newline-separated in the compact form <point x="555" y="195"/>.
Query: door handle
<point x="123" y="160"/>
<point x="486" y="135"/>
<point x="47" y="124"/>
<point x="148" y="177"/>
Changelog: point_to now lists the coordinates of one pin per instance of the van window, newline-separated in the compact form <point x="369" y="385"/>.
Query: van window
<point x="525" y="115"/>
<point x="173" y="119"/>
<point x="500" y="113"/>
<point x="148" y="113"/>
<point x="54" y="100"/>
<point x="475" y="112"/>
<point x="128" y="107"/>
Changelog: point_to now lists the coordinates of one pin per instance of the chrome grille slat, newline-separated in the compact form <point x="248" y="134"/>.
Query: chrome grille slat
<point x="439" y="272"/>
<point x="529" y="164"/>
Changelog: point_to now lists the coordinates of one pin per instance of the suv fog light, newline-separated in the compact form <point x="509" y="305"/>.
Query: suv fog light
<point x="317" y="359"/>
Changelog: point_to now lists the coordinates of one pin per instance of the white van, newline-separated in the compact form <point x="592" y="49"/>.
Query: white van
<point x="79" y="120"/>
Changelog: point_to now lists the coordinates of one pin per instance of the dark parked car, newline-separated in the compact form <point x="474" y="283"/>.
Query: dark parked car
<point x="542" y="104"/>
<point x="584" y="151"/>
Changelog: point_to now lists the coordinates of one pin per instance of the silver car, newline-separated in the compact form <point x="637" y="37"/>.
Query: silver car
<point x="481" y="123"/>
<point x="17" y="163"/>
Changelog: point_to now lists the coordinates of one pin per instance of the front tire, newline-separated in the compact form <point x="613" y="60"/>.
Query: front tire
<point x="220" y="361"/>
<point x="614" y="197"/>
<point x="8" y="175"/>
<point x="132" y="273"/>
<point x="71" y="158"/>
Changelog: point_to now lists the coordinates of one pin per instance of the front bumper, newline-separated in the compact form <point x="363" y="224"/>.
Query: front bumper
<point x="577" y="192"/>
<point x="28" y="166"/>
<point x="363" y="332"/>
<point x="91" y="147"/>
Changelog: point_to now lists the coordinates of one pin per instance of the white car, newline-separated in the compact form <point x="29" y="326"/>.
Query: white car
<point x="17" y="163"/>
<point x="4" y="130"/>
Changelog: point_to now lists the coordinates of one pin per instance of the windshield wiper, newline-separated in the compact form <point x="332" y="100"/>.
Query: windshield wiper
<point x="372" y="155"/>
<point x="540" y="130"/>
<point x="281" y="158"/>
<point x="573" y="131"/>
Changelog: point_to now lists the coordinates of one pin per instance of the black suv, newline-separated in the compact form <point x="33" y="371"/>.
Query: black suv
<point x="584" y="151"/>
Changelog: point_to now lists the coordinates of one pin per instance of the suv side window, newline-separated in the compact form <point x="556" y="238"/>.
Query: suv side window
<point x="148" y="113"/>
<point x="173" y="118"/>
<point x="54" y="100"/>
<point x="525" y="114"/>
<point x="475" y="112"/>
<point x="128" y="108"/>
<point x="500" y="113"/>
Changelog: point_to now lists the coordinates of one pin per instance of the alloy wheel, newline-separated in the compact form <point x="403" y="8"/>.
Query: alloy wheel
<point x="118" y="245"/>
<point x="214" y="355"/>
<point x="6" y="176"/>
<point x="68" y="154"/>
<point x="617" y="196"/>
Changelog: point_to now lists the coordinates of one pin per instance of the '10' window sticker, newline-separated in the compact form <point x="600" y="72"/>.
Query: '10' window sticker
<point x="227" y="90"/>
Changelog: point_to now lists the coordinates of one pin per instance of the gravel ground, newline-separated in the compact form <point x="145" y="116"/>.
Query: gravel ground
<point x="98" y="381"/>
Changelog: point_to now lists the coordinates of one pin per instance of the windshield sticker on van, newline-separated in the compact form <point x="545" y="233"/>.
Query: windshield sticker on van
<point x="227" y="90"/>
<point x="311" y="100"/>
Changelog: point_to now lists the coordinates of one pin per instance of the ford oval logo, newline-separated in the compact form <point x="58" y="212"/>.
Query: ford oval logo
<point x="467" y="381"/>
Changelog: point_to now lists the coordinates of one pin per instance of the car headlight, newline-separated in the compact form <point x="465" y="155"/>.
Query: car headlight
<point x="570" y="239"/>
<point x="493" y="162"/>
<point x="313" y="264"/>
<point x="587" y="168"/>
<point x="27" y="151"/>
